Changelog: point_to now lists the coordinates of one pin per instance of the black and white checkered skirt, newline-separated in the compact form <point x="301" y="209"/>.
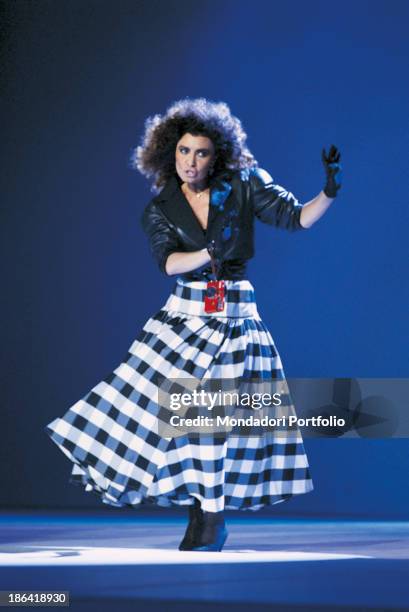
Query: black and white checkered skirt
<point x="111" y="434"/>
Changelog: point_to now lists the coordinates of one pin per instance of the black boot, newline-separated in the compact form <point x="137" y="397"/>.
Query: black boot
<point x="213" y="534"/>
<point x="194" y="528"/>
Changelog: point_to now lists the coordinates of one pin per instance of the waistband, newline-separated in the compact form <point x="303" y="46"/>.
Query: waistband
<point x="187" y="297"/>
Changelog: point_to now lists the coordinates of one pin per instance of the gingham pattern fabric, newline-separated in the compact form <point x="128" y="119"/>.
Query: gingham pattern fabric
<point x="111" y="436"/>
<point x="188" y="298"/>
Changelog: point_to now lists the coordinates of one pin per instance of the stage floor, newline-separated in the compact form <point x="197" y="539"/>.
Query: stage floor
<point x="129" y="561"/>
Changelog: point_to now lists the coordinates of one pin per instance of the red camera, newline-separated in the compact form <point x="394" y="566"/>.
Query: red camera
<point x="214" y="297"/>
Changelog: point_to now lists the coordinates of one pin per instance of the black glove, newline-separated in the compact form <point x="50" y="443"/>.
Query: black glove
<point x="333" y="171"/>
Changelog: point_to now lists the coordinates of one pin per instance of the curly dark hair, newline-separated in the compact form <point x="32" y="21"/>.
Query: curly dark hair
<point x="155" y="157"/>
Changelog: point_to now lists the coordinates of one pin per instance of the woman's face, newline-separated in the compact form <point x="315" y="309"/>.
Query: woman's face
<point x="194" y="158"/>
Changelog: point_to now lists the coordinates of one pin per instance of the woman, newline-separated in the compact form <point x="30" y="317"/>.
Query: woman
<point x="200" y="227"/>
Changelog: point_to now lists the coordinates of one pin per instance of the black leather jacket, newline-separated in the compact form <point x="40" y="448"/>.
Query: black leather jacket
<point x="236" y="197"/>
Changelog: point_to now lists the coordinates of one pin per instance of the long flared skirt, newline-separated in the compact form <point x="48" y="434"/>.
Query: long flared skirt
<point x="112" y="435"/>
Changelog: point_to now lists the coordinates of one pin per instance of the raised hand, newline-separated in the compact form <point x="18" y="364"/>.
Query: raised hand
<point x="333" y="170"/>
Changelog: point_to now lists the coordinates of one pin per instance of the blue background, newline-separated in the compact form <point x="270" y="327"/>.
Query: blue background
<point x="78" y="82"/>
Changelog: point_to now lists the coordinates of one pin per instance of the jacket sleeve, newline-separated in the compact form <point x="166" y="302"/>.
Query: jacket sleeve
<point x="272" y="203"/>
<point x="162" y="237"/>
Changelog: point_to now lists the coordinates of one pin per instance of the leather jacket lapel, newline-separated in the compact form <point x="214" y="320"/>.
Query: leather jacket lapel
<point x="219" y="192"/>
<point x="177" y="210"/>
